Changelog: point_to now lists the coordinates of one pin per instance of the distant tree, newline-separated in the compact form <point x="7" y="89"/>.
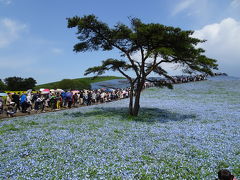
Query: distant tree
<point x="157" y="44"/>
<point x="14" y="83"/>
<point x="19" y="84"/>
<point x="29" y="83"/>
<point x="2" y="85"/>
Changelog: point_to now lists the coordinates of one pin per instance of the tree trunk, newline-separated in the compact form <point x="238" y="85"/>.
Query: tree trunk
<point x="131" y="100"/>
<point x="136" y="103"/>
<point x="137" y="97"/>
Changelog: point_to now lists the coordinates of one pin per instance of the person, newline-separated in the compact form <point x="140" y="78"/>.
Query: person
<point x="63" y="96"/>
<point x="8" y="100"/>
<point x="23" y="103"/>
<point x="81" y="98"/>
<point x="89" y="98"/>
<point x="34" y="97"/>
<point x="37" y="103"/>
<point x="102" y="97"/>
<point x="59" y="101"/>
<point x="75" y="99"/>
<point x="29" y="102"/>
<point x="225" y="174"/>
<point x="11" y="109"/>
<point x="85" y="98"/>
<point x="16" y="99"/>
<point x="99" y="96"/>
<point x="44" y="102"/>
<point x="69" y="98"/>
<point x="94" y="97"/>
<point x="53" y="102"/>
<point x="1" y="105"/>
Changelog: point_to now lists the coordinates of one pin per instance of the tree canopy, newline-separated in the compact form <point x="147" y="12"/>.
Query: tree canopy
<point x="19" y="84"/>
<point x="157" y="45"/>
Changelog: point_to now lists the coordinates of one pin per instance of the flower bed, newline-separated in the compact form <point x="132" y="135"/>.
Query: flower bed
<point x="187" y="133"/>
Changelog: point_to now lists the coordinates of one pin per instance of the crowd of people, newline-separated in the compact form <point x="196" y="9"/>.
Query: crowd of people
<point x="179" y="79"/>
<point x="40" y="102"/>
<point x="55" y="100"/>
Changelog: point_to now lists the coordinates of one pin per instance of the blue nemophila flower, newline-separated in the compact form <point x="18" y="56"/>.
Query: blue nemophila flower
<point x="187" y="133"/>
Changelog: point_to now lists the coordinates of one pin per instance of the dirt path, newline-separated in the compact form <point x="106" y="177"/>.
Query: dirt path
<point x="46" y="110"/>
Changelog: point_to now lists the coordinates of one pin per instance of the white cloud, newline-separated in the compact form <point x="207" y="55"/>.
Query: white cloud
<point x="7" y="2"/>
<point x="183" y="5"/>
<point x="171" y="68"/>
<point x="235" y="3"/>
<point x="57" y="51"/>
<point x="10" y="31"/>
<point x="223" y="44"/>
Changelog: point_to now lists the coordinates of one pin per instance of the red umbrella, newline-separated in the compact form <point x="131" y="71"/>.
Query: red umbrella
<point x="45" y="91"/>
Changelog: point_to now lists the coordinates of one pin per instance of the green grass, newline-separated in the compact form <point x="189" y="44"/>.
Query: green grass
<point x="6" y="128"/>
<point x="85" y="82"/>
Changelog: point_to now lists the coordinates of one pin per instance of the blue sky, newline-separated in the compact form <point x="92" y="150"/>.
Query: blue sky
<point x="35" y="41"/>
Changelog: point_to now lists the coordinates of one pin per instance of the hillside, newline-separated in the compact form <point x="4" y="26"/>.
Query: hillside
<point x="79" y="83"/>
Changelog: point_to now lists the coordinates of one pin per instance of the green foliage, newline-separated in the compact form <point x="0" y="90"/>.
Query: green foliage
<point x="27" y="143"/>
<point x="72" y="84"/>
<point x="109" y="64"/>
<point x="172" y="44"/>
<point x="28" y="123"/>
<point x="156" y="44"/>
<point x="2" y="85"/>
<point x="92" y="172"/>
<point x="222" y="165"/>
<point x="19" y="84"/>
<point x="80" y="83"/>
<point x="7" y="127"/>
<point x="236" y="169"/>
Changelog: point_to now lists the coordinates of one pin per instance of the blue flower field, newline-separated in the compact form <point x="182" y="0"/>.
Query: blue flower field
<point x="189" y="132"/>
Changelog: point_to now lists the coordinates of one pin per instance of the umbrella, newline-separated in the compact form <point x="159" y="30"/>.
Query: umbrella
<point x="109" y="90"/>
<point x="69" y="94"/>
<point x="3" y="94"/>
<point x="29" y="91"/>
<point x="59" y="90"/>
<point x="45" y="91"/>
<point x="75" y="91"/>
<point x="56" y="90"/>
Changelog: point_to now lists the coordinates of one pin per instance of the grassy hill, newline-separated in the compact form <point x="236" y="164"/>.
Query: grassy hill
<point x="79" y="83"/>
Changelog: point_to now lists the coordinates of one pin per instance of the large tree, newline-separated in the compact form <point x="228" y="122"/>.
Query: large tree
<point x="157" y="45"/>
